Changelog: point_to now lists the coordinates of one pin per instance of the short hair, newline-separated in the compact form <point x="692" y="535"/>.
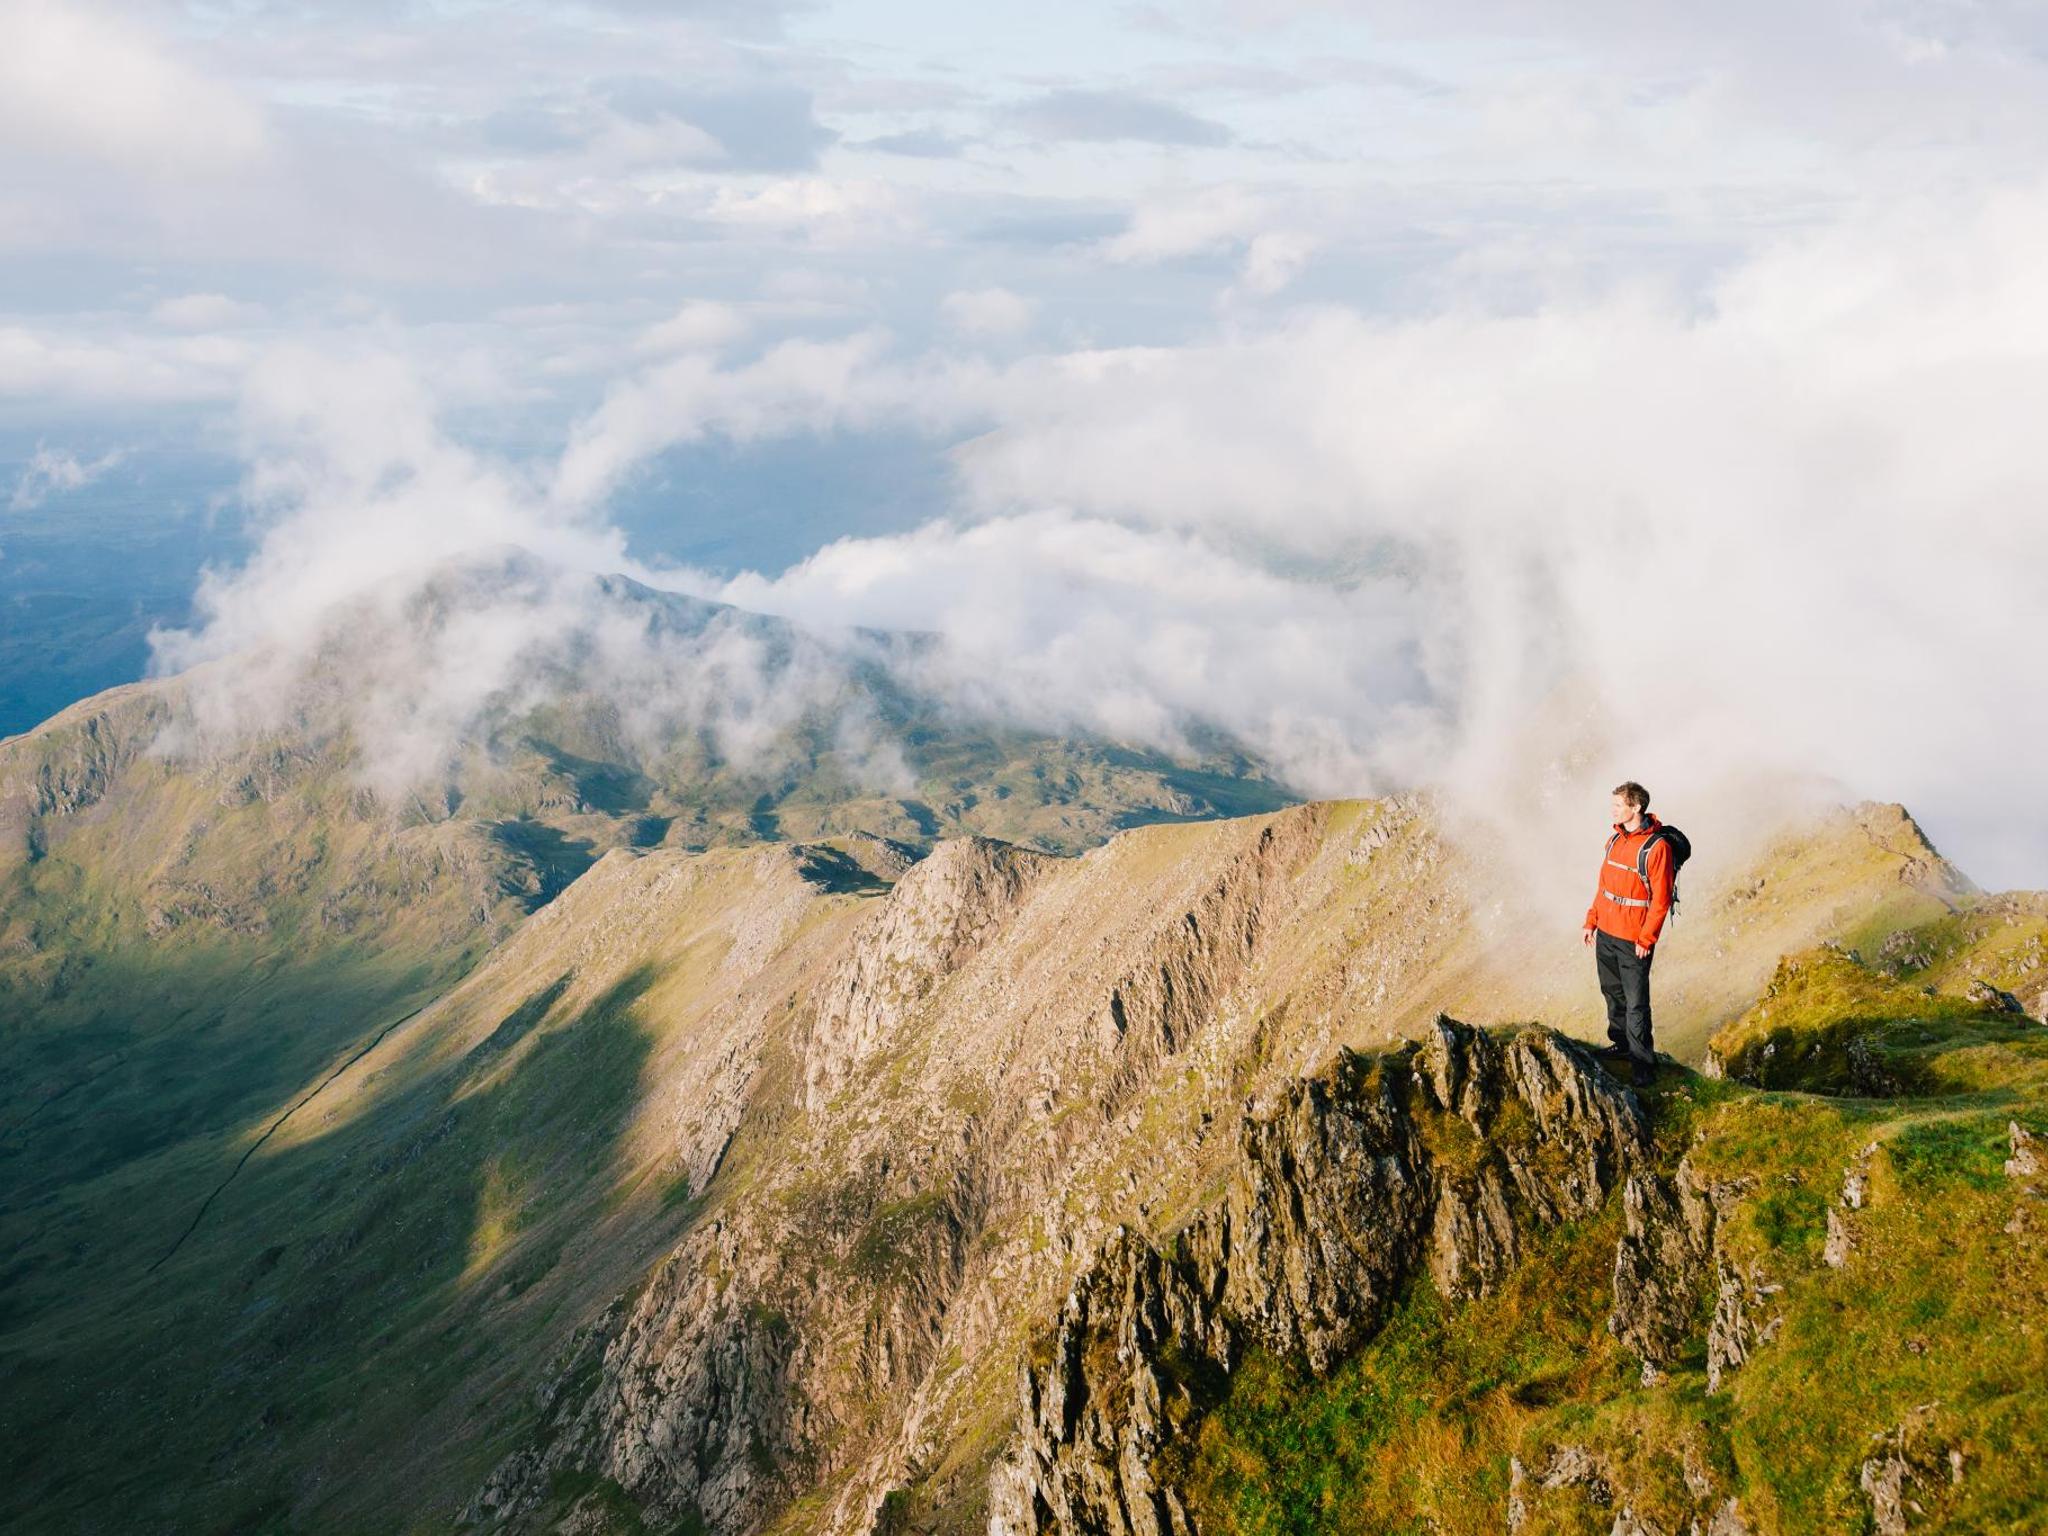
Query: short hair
<point x="1634" y="793"/>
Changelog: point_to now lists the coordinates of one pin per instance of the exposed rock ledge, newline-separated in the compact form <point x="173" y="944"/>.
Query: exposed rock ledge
<point x="1440" y="1158"/>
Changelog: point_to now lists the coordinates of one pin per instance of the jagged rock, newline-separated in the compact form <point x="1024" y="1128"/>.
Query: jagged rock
<point x="1110" y="1383"/>
<point x="1573" y="1466"/>
<point x="1906" y="1472"/>
<point x="1359" y="1178"/>
<point x="1984" y="992"/>
<point x="2025" y="1161"/>
<point x="1741" y="1290"/>
<point x="897" y="1209"/>
<point x="1518" y="1504"/>
<point x="1856" y="1178"/>
<point x="689" y="1428"/>
<point x="1728" y="1334"/>
<point x="941" y="911"/>
<point x="1661" y="1262"/>
<point x="1835" y="1251"/>
<point x="1667" y="1264"/>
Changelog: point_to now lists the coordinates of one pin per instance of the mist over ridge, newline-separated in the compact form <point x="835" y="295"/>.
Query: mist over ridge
<point x="1404" y="560"/>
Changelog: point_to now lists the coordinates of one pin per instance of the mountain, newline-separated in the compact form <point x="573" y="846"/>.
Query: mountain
<point x="215" y="887"/>
<point x="1213" y="1178"/>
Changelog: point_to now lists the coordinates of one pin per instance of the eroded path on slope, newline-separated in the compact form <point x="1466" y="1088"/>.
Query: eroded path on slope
<point x="254" y="1146"/>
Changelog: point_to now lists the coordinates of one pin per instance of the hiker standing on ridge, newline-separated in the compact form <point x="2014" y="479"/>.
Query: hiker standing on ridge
<point x="1629" y="907"/>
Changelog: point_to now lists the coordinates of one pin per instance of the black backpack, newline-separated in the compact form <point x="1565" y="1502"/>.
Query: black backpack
<point x="1681" y="850"/>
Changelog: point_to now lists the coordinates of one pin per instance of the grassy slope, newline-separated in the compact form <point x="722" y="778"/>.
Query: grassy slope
<point x="353" y="1330"/>
<point x="163" y="918"/>
<point x="1940" y="1302"/>
<point x="190" y="946"/>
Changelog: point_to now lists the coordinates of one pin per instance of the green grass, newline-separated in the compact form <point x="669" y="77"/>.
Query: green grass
<point x="1412" y="1433"/>
<point x="1940" y="1302"/>
<point x="402" y="1249"/>
<point x="1829" y="1023"/>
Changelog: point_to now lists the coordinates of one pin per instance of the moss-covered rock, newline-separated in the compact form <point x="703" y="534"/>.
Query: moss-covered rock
<point x="1829" y="1023"/>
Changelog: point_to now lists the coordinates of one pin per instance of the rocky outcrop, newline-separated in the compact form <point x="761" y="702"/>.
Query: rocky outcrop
<point x="1742" y="1320"/>
<point x="1840" y="1241"/>
<point x="70" y="764"/>
<point x="1994" y="997"/>
<point x="1671" y="1266"/>
<point x="1132" y="1362"/>
<point x="942" y="911"/>
<point x="1573" y="1469"/>
<point x="1911" y="1470"/>
<point x="1436" y="1159"/>
<point x="1007" y="1080"/>
<point x="679" y="1395"/>
<point x="2025" y="1161"/>
<point x="1661" y="1264"/>
<point x="912" y="1126"/>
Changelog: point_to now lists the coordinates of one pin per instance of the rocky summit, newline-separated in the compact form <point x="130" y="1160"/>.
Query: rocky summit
<point x="1234" y="1174"/>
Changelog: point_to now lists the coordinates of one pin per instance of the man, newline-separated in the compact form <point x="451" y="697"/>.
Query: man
<point x="1628" y="912"/>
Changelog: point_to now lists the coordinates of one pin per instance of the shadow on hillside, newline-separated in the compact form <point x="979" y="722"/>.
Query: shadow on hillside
<point x="609" y="787"/>
<point x="557" y="860"/>
<point x="341" y="1296"/>
<point x="163" y="1048"/>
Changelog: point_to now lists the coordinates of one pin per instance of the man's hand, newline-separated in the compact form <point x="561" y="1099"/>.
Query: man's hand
<point x="1642" y="951"/>
<point x="1587" y="938"/>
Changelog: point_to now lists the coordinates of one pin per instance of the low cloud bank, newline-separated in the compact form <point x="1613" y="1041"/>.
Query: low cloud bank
<point x="1785" y="536"/>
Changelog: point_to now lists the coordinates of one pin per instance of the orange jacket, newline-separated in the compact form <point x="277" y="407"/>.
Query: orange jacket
<point x="1621" y="905"/>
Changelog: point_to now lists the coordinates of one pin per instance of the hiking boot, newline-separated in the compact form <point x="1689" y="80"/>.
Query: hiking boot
<point x="1613" y="1050"/>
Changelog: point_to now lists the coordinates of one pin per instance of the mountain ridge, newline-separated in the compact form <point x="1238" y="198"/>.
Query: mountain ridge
<point x="817" y="1132"/>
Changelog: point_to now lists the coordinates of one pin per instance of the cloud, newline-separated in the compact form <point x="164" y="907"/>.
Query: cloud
<point x="826" y="210"/>
<point x="918" y="143"/>
<point x="1206" y="220"/>
<point x="46" y="364"/>
<point x="414" y="595"/>
<point x="79" y="82"/>
<point x="1113" y="116"/>
<point x="1783" y="531"/>
<point x="987" y="312"/>
<point x="1069" y="622"/>
<point x="1789" y="530"/>
<point x="1275" y="259"/>
<point x="1168" y="227"/>
<point x="204" y="312"/>
<point x="756" y="126"/>
<point x="56" y="472"/>
<point x="795" y="386"/>
<point x="699" y="326"/>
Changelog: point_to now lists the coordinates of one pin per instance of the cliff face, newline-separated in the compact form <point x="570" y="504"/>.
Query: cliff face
<point x="942" y="911"/>
<point x="1434" y="1160"/>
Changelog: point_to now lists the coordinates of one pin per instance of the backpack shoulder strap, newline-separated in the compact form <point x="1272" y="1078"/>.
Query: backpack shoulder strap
<point x="1643" y="853"/>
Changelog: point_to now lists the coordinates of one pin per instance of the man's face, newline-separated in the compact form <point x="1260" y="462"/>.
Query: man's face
<point x="1623" y="811"/>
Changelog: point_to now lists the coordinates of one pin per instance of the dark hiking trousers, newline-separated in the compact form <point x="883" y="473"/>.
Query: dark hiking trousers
<point x="1625" y="983"/>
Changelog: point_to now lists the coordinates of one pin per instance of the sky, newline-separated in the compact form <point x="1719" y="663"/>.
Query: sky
<point x="1505" y="397"/>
